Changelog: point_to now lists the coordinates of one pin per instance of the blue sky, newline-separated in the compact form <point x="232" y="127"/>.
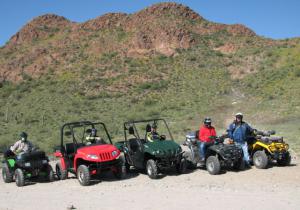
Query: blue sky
<point x="276" y="19"/>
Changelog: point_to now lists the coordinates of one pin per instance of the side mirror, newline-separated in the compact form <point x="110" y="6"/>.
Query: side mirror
<point x="68" y="133"/>
<point x="148" y="128"/>
<point x="131" y="130"/>
<point x="88" y="130"/>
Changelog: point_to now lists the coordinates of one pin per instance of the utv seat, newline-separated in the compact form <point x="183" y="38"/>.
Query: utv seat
<point x="71" y="149"/>
<point x="134" y="145"/>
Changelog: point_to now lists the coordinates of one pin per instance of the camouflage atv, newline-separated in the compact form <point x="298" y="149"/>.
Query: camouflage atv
<point x="218" y="155"/>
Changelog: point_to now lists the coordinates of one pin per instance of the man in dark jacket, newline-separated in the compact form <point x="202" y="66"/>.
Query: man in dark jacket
<point x="239" y="131"/>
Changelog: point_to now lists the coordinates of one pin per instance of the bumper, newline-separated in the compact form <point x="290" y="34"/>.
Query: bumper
<point x="167" y="163"/>
<point x="102" y="166"/>
<point x="279" y="155"/>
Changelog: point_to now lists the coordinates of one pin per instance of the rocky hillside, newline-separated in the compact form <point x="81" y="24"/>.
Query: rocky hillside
<point x="165" y="60"/>
<point x="51" y="41"/>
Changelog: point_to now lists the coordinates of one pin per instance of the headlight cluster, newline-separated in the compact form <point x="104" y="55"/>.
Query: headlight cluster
<point x="114" y="153"/>
<point x="272" y="148"/>
<point x="94" y="157"/>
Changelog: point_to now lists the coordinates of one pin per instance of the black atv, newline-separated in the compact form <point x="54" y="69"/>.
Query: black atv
<point x="26" y="166"/>
<point x="218" y="155"/>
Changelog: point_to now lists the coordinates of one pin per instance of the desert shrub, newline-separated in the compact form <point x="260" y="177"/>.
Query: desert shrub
<point x="297" y="72"/>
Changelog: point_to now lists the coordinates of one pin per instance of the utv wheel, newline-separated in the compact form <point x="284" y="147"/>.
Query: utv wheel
<point x="19" y="176"/>
<point x="285" y="161"/>
<point x="213" y="165"/>
<point x="60" y="172"/>
<point x="260" y="159"/>
<point x="151" y="169"/>
<point x="50" y="174"/>
<point x="83" y="175"/>
<point x="6" y="174"/>
<point x="181" y="167"/>
<point x="127" y="166"/>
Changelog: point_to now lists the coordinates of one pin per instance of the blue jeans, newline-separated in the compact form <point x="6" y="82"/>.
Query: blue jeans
<point x="244" y="147"/>
<point x="202" y="146"/>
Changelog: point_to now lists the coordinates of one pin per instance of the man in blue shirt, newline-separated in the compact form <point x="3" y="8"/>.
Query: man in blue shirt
<point x="239" y="131"/>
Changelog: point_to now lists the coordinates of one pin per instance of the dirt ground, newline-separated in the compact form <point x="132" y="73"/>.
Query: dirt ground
<point x="273" y="188"/>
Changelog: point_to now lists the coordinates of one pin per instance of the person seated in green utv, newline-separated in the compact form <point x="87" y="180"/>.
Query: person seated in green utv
<point x="21" y="146"/>
<point x="93" y="138"/>
<point x="152" y="134"/>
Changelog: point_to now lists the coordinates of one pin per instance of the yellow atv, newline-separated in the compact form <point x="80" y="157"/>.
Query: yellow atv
<point x="264" y="148"/>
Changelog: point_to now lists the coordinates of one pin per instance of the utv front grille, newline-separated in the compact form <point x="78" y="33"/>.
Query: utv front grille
<point x="105" y="156"/>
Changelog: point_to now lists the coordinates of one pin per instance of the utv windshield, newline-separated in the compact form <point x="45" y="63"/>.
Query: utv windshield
<point x="149" y="130"/>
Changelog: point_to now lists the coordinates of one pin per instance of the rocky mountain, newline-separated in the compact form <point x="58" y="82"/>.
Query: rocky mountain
<point x="50" y="40"/>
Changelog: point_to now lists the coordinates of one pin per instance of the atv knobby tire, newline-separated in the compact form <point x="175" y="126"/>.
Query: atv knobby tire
<point x="285" y="161"/>
<point x="19" y="177"/>
<point x="151" y="169"/>
<point x="60" y="172"/>
<point x="260" y="159"/>
<point x="181" y="166"/>
<point x="6" y="174"/>
<point x="83" y="175"/>
<point x="213" y="165"/>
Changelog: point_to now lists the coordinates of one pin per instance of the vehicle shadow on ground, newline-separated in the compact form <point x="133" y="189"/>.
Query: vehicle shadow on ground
<point x="105" y="177"/>
<point x="272" y="165"/>
<point x="109" y="177"/>
<point x="171" y="172"/>
<point x="29" y="183"/>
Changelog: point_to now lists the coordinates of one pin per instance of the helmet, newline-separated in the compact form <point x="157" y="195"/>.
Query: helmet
<point x="207" y="121"/>
<point x="94" y="132"/>
<point x="148" y="128"/>
<point x="239" y="114"/>
<point x="23" y="135"/>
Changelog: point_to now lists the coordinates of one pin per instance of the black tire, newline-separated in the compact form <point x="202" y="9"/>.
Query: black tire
<point x="213" y="165"/>
<point x="19" y="176"/>
<point x="83" y="175"/>
<point x="151" y="169"/>
<point x="6" y="174"/>
<point x="285" y="161"/>
<point x="127" y="166"/>
<point x="50" y="174"/>
<point x="120" y="171"/>
<point x="182" y="166"/>
<point x="62" y="174"/>
<point x="260" y="159"/>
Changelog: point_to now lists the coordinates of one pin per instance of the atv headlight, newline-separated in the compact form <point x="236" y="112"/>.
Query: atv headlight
<point x="272" y="148"/>
<point x="94" y="157"/>
<point x="114" y="153"/>
<point x="27" y="164"/>
<point x="286" y="146"/>
<point x="157" y="151"/>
